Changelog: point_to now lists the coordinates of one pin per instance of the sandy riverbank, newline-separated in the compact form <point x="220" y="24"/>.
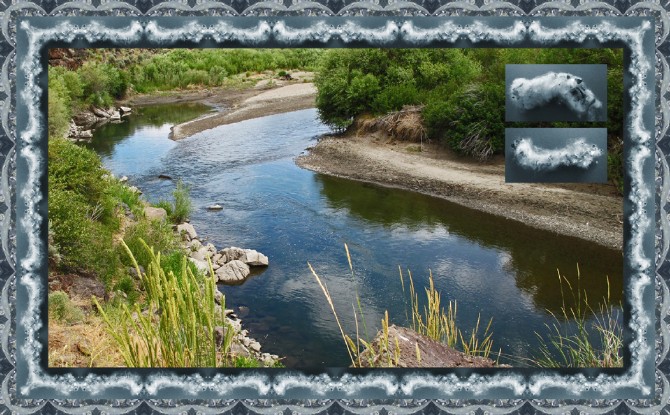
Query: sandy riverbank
<point x="238" y="104"/>
<point x="591" y="212"/>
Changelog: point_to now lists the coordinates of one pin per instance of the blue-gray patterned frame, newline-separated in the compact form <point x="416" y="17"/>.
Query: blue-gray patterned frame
<point x="342" y="32"/>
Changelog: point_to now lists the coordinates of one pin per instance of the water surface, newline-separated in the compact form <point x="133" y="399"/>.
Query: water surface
<point x="492" y="266"/>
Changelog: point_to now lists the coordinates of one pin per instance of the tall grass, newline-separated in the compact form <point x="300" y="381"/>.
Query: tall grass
<point x="439" y="324"/>
<point x="178" y="328"/>
<point x="433" y="322"/>
<point x="181" y="206"/>
<point x="595" y="342"/>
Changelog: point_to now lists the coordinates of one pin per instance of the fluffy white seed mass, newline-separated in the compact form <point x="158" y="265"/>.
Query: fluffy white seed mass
<point x="578" y="153"/>
<point x="565" y="88"/>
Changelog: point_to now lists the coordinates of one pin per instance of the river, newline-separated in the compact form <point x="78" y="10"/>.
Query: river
<point x="491" y="266"/>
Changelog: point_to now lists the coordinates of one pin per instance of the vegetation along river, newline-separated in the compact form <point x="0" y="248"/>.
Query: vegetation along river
<point x="494" y="267"/>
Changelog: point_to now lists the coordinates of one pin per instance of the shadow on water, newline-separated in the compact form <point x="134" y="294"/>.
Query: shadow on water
<point x="535" y="256"/>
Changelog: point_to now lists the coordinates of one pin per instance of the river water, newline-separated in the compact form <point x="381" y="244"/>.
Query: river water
<point x="491" y="266"/>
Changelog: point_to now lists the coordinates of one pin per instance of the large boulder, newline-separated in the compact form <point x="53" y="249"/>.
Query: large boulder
<point x="155" y="214"/>
<point x="187" y="231"/>
<point x="234" y="272"/>
<point x="115" y="116"/>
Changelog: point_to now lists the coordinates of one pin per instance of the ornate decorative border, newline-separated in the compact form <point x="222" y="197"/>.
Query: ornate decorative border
<point x="396" y="30"/>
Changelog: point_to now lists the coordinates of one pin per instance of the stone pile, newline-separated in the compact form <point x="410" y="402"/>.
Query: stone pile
<point x="231" y="265"/>
<point x="83" y="124"/>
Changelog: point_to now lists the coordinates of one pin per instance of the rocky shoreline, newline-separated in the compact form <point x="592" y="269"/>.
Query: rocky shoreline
<point x="231" y="266"/>
<point x="85" y="122"/>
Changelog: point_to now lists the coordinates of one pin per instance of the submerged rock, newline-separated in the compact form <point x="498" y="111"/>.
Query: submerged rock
<point x="215" y="207"/>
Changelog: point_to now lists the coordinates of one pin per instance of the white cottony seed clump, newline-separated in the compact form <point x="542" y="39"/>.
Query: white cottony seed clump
<point x="566" y="88"/>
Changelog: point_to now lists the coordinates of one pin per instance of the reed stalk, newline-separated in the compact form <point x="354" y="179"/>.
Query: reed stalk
<point x="178" y="324"/>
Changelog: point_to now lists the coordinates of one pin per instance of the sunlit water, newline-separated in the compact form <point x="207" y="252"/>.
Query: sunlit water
<point x="493" y="267"/>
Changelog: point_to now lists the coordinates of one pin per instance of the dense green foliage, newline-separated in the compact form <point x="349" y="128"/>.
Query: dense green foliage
<point x="108" y="75"/>
<point x="462" y="91"/>
<point x="81" y="210"/>
<point x="85" y="205"/>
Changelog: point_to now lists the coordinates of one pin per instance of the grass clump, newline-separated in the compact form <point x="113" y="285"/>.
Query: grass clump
<point x="439" y="324"/>
<point x="157" y="234"/>
<point x="181" y="206"/>
<point x="178" y="327"/>
<point x="62" y="309"/>
<point x="433" y="322"/>
<point x="595" y="338"/>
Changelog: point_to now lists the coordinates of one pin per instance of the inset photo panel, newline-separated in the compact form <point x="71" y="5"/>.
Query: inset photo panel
<point x="556" y="155"/>
<point x="536" y="93"/>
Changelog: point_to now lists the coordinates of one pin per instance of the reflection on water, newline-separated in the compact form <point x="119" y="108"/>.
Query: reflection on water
<point x="493" y="266"/>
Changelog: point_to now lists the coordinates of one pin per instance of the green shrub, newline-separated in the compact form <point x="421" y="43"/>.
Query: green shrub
<point x="76" y="169"/>
<point x="62" y="309"/>
<point x="471" y="121"/>
<point x="156" y="234"/>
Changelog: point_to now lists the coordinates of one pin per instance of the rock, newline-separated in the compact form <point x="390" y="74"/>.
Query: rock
<point x="85" y="134"/>
<point x="194" y="244"/>
<point x="133" y="272"/>
<point x="85" y="119"/>
<point x="135" y="190"/>
<point x="115" y="115"/>
<point x="237" y="349"/>
<point x="123" y="179"/>
<point x="125" y="110"/>
<point x="202" y="266"/>
<point x="100" y="112"/>
<point x="219" y="335"/>
<point x="187" y="231"/>
<point x="231" y="254"/>
<point x="214" y="207"/>
<point x="255" y="346"/>
<point x="233" y="272"/>
<point x="219" y="297"/>
<point x="431" y="353"/>
<point x="216" y="259"/>
<point x="254" y="258"/>
<point x="164" y="176"/>
<point x="155" y="214"/>
<point x="201" y="254"/>
<point x="211" y="249"/>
